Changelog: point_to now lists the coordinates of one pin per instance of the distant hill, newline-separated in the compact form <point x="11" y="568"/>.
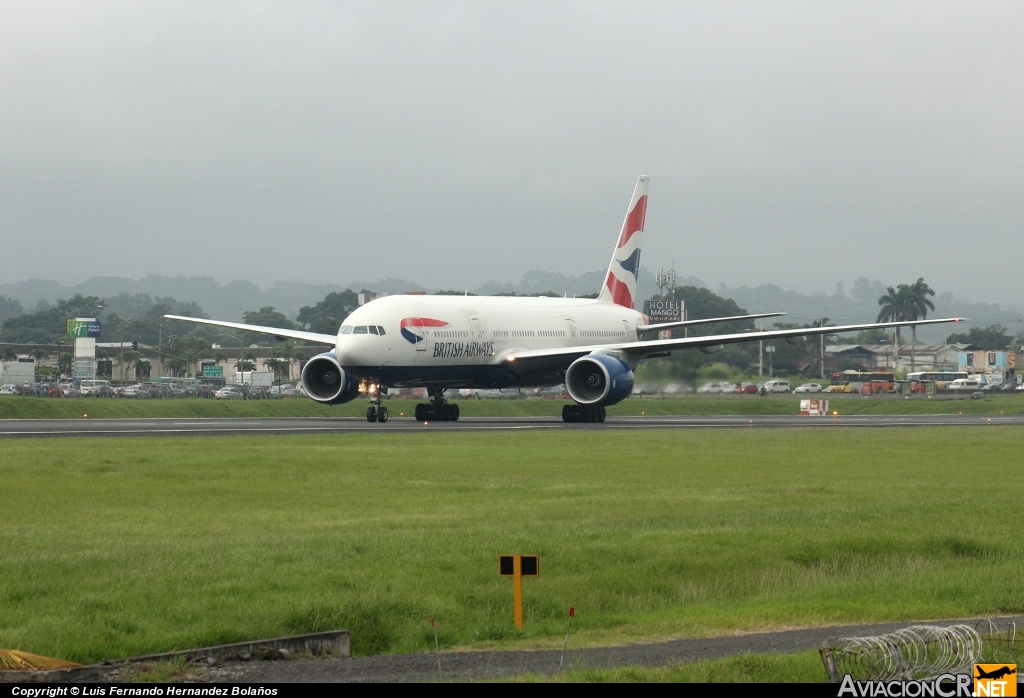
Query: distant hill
<point x="230" y="300"/>
<point x="225" y="301"/>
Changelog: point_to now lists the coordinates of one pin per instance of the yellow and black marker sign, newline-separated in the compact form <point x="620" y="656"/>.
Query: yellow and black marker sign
<point x="995" y="680"/>
<point x="517" y="567"/>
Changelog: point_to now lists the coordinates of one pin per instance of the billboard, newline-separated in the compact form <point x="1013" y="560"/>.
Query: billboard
<point x="664" y="311"/>
<point x="79" y="327"/>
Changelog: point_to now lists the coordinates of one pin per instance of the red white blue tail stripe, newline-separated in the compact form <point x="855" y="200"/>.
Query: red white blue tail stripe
<point x="620" y="282"/>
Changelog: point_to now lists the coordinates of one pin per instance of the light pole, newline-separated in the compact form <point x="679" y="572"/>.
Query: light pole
<point x="60" y="343"/>
<point x="238" y="367"/>
<point x="169" y="344"/>
<point x="121" y="357"/>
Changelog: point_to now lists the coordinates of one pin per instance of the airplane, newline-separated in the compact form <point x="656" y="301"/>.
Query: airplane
<point x="995" y="673"/>
<point x="442" y="342"/>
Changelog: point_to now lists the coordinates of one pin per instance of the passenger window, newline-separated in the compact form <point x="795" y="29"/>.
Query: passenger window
<point x="373" y="329"/>
<point x="380" y="330"/>
<point x="346" y="329"/>
<point x="361" y="329"/>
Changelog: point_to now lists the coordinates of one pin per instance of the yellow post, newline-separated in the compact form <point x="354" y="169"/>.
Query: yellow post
<point x="517" y="589"/>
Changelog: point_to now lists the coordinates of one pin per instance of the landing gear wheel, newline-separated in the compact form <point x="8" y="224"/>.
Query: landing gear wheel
<point x="583" y="413"/>
<point x="371" y="414"/>
<point x="382" y="415"/>
<point x="437" y="409"/>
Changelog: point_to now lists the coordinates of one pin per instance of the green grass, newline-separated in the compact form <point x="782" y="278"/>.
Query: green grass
<point x="117" y="547"/>
<point x="12" y="407"/>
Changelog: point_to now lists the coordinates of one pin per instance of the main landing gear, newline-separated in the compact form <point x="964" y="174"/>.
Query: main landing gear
<point x="376" y="412"/>
<point x="582" y="413"/>
<point x="438" y="409"/>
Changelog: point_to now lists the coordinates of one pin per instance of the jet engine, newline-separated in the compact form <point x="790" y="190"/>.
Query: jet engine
<point x="598" y="379"/>
<point x="325" y="380"/>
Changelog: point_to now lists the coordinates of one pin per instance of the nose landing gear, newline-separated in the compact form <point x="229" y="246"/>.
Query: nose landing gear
<point x="438" y="409"/>
<point x="376" y="412"/>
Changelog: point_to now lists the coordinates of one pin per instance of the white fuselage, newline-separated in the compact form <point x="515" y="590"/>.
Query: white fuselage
<point x="462" y="341"/>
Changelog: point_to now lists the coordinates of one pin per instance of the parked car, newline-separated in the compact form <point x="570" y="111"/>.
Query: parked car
<point x="719" y="387"/>
<point x="746" y="389"/>
<point x="96" y="388"/>
<point x="136" y="392"/>
<point x="808" y="388"/>
<point x="228" y="392"/>
<point x="776" y="386"/>
<point x="260" y="393"/>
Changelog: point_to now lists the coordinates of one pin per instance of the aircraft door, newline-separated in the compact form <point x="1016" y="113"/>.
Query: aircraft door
<point x="476" y="337"/>
<point x="572" y="331"/>
<point x="423" y="332"/>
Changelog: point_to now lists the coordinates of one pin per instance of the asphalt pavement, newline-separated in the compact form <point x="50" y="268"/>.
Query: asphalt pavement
<point x="195" y="427"/>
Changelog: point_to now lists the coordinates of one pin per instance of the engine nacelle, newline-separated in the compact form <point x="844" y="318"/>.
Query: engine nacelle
<point x="598" y="379"/>
<point x="324" y="380"/>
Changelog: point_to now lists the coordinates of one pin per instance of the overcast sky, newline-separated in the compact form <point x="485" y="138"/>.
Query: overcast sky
<point x="455" y="143"/>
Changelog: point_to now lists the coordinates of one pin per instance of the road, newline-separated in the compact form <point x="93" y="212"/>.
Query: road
<point x="194" y="427"/>
<point x="495" y="664"/>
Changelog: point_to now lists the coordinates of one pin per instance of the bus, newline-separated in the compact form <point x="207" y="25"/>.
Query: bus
<point x="919" y="380"/>
<point x="864" y="382"/>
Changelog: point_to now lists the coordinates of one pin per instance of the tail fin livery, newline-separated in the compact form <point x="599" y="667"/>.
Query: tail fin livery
<point x="620" y="282"/>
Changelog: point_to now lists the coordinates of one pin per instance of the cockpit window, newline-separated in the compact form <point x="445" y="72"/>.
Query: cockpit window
<point x="360" y="329"/>
<point x="380" y="330"/>
<point x="373" y="329"/>
<point x="346" y="329"/>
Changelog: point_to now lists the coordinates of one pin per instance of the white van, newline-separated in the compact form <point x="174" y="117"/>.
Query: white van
<point x="962" y="384"/>
<point x="776" y="386"/>
<point x="95" y="387"/>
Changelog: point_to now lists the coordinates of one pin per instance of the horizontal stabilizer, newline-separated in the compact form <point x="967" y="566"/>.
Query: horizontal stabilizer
<point x="658" y="327"/>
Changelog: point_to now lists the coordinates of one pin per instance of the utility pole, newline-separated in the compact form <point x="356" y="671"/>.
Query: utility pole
<point x="822" y="351"/>
<point x="760" y="349"/>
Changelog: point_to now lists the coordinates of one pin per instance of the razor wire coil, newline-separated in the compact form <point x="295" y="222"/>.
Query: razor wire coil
<point x="916" y="652"/>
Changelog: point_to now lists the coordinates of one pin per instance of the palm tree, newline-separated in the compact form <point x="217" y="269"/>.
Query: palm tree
<point x="895" y="308"/>
<point x="919" y="305"/>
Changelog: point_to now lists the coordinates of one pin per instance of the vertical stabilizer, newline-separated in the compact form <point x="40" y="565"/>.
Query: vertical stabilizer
<point x="620" y="282"/>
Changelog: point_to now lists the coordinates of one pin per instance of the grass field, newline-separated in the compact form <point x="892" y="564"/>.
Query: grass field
<point x="803" y="667"/>
<point x="73" y="408"/>
<point x="115" y="547"/>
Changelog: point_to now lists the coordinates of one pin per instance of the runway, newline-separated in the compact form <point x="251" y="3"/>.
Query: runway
<point x="197" y="427"/>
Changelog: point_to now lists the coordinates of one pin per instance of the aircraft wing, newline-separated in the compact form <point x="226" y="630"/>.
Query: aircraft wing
<point x="536" y="358"/>
<point x="658" y="327"/>
<point x="313" y="337"/>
